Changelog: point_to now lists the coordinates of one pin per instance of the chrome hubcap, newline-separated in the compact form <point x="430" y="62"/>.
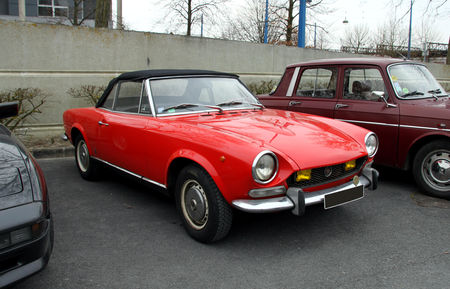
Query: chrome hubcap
<point x="436" y="169"/>
<point x="194" y="204"/>
<point x="82" y="156"/>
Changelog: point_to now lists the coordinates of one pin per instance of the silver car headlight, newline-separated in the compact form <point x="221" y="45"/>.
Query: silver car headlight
<point x="265" y="167"/>
<point x="371" y="141"/>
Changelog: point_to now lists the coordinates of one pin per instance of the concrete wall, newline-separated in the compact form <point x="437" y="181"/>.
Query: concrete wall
<point x="56" y="58"/>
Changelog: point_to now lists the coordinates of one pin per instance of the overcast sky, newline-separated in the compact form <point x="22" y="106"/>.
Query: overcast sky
<point x="148" y="15"/>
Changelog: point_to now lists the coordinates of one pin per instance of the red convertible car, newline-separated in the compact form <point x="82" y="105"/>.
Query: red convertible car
<point x="399" y="100"/>
<point x="202" y="137"/>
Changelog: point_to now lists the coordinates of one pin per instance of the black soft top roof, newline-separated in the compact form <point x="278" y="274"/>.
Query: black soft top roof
<point x="144" y="74"/>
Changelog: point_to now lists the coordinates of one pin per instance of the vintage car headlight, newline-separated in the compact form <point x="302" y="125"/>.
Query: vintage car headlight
<point x="371" y="141"/>
<point x="265" y="167"/>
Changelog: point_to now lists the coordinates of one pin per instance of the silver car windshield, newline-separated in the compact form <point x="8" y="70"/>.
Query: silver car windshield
<point x="194" y="94"/>
<point x="414" y="81"/>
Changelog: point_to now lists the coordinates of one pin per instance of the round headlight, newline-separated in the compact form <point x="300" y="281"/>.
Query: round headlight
<point x="371" y="144"/>
<point x="265" y="167"/>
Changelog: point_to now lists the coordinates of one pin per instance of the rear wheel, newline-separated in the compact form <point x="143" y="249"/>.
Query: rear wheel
<point x="87" y="167"/>
<point x="207" y="217"/>
<point x="431" y="168"/>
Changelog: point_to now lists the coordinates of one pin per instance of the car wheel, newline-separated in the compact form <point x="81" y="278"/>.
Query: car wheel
<point x="207" y="217"/>
<point x="431" y="168"/>
<point x="87" y="167"/>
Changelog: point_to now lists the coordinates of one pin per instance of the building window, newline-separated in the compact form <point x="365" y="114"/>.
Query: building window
<point x="53" y="8"/>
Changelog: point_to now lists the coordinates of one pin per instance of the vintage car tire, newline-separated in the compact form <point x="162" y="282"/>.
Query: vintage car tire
<point x="430" y="168"/>
<point x="87" y="167"/>
<point x="206" y="216"/>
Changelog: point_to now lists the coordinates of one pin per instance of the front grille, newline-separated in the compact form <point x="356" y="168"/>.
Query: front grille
<point x="318" y="176"/>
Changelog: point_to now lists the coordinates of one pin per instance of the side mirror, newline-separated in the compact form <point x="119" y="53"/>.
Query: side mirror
<point x="380" y="94"/>
<point x="9" y="109"/>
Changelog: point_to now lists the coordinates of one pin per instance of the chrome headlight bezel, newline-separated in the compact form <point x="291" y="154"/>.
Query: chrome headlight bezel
<point x="256" y="161"/>
<point x="371" y="140"/>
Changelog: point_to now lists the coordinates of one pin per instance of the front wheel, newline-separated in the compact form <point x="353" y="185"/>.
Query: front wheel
<point x="207" y="217"/>
<point x="87" y="167"/>
<point x="431" y="168"/>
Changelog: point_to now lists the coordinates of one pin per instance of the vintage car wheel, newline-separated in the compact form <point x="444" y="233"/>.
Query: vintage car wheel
<point x="431" y="168"/>
<point x="206" y="215"/>
<point x="86" y="165"/>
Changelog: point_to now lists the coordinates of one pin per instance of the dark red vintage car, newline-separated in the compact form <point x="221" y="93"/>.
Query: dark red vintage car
<point x="399" y="100"/>
<point x="202" y="137"/>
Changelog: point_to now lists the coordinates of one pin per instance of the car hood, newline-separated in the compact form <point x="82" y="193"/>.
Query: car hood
<point x="427" y="112"/>
<point x="318" y="141"/>
<point x="15" y="186"/>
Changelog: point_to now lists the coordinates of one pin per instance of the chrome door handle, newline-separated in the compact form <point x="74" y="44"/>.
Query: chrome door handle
<point x="103" y="123"/>
<point x="339" y="105"/>
<point x="292" y="103"/>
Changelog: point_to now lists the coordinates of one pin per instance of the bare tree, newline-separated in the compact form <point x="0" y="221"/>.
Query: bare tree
<point x="286" y="12"/>
<point x="191" y="11"/>
<point x="80" y="12"/>
<point x="248" y="25"/>
<point x="357" y="38"/>
<point x="102" y="13"/>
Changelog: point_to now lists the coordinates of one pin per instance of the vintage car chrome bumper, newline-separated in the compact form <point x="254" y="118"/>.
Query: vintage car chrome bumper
<point x="296" y="200"/>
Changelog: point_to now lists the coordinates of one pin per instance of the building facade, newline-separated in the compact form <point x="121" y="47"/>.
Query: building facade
<point x="52" y="11"/>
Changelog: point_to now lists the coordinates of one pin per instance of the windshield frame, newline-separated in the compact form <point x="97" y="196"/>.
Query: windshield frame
<point x="426" y="94"/>
<point x="205" y="108"/>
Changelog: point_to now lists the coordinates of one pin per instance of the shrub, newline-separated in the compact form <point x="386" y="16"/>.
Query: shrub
<point x="262" y="87"/>
<point x="29" y="99"/>
<point x="90" y="92"/>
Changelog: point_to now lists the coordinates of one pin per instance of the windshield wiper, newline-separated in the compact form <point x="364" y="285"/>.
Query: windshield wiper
<point x="188" y="105"/>
<point x="415" y="92"/>
<point x="235" y="102"/>
<point x="179" y="106"/>
<point x="230" y="103"/>
<point x="434" y="93"/>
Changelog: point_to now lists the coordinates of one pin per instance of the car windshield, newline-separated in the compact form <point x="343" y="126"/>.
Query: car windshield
<point x="194" y="94"/>
<point x="414" y="81"/>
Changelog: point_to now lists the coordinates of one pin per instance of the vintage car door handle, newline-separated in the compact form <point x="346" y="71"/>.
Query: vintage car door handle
<point x="103" y="123"/>
<point x="292" y="103"/>
<point x="339" y="105"/>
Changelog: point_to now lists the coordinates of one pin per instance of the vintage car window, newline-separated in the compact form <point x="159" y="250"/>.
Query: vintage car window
<point x="360" y="84"/>
<point x="109" y="101"/>
<point x="128" y="96"/>
<point x="414" y="81"/>
<point x="190" y="94"/>
<point x="318" y="82"/>
<point x="145" y="107"/>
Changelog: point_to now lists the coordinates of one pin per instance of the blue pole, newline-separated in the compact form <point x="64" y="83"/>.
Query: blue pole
<point x="201" y="32"/>
<point x="266" y="22"/>
<point x="409" y="37"/>
<point x="302" y="24"/>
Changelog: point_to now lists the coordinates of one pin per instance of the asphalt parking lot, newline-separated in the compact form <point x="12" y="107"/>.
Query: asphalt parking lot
<point x="116" y="233"/>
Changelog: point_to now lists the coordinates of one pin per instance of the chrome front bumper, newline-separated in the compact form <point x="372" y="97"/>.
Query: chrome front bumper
<point x="296" y="200"/>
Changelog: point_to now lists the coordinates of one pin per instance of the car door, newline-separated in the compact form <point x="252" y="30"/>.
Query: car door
<point x="359" y="103"/>
<point x="315" y="91"/>
<point x="123" y="127"/>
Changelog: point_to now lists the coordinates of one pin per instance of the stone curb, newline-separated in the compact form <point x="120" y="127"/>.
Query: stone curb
<point x="61" y="152"/>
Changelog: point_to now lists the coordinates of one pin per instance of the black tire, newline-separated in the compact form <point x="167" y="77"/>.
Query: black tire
<point x="206" y="216"/>
<point x="87" y="167"/>
<point x="431" y="168"/>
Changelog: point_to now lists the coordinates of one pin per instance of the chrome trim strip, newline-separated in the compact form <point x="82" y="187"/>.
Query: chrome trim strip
<point x="293" y="81"/>
<point x="424" y="127"/>
<point x="368" y="122"/>
<point x="394" y="125"/>
<point x="130" y="173"/>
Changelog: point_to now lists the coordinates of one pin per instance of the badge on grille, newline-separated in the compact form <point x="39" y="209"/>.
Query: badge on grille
<point x="327" y="172"/>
